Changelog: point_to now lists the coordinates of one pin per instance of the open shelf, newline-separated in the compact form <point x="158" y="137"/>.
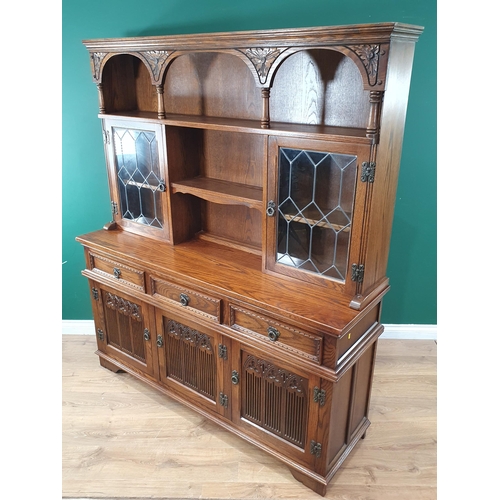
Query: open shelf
<point x="249" y="126"/>
<point x="219" y="191"/>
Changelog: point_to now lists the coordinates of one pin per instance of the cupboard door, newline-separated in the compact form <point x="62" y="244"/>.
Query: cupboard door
<point x="315" y="210"/>
<point x="190" y="362"/>
<point x="124" y="329"/>
<point x="137" y="177"/>
<point x="275" y="403"/>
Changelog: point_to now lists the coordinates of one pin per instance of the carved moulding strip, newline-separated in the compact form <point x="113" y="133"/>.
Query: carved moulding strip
<point x="123" y="306"/>
<point x="281" y="377"/>
<point x="183" y="332"/>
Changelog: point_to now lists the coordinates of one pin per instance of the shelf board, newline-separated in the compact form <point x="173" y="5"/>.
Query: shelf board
<point x="325" y="132"/>
<point x="219" y="191"/>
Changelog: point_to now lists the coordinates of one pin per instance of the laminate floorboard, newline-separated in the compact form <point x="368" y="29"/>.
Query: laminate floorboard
<point x="121" y="439"/>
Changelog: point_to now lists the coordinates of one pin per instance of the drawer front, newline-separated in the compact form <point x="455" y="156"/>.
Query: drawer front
<point x="118" y="271"/>
<point x="197" y="302"/>
<point x="276" y="333"/>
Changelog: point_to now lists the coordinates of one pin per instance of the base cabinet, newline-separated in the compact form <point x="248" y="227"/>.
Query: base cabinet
<point x="302" y="413"/>
<point x="252" y="178"/>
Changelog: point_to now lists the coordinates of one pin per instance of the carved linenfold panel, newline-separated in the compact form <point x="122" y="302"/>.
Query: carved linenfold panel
<point x="263" y="59"/>
<point x="123" y="306"/>
<point x="370" y="57"/>
<point x="190" y="358"/>
<point x="156" y="59"/>
<point x="124" y="326"/>
<point x="274" y="398"/>
<point x="96" y="61"/>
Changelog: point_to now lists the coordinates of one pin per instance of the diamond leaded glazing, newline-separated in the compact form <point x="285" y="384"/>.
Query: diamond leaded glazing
<point x="138" y="174"/>
<point x="316" y="197"/>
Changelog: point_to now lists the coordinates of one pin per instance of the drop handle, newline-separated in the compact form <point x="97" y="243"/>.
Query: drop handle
<point x="184" y="299"/>
<point x="273" y="334"/>
<point x="235" y="377"/>
<point x="271" y="208"/>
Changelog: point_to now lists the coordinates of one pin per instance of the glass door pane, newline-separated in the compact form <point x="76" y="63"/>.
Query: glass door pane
<point x="138" y="174"/>
<point x="315" y="210"/>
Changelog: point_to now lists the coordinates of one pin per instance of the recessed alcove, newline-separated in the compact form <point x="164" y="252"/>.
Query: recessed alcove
<point x="319" y="87"/>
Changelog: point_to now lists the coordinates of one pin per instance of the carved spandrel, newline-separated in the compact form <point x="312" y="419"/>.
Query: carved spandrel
<point x="370" y="56"/>
<point x="155" y="59"/>
<point x="96" y="59"/>
<point x="263" y="59"/>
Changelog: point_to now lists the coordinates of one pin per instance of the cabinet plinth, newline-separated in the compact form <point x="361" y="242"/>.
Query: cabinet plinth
<point x="252" y="178"/>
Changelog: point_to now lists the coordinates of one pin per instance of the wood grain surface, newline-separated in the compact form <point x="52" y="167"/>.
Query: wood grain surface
<point x="122" y="439"/>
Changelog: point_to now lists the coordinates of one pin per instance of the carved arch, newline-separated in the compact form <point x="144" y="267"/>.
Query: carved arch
<point x="370" y="59"/>
<point x="154" y="61"/>
<point x="235" y="52"/>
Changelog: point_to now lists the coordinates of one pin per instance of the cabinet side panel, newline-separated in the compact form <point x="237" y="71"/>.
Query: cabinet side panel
<point x="340" y="416"/>
<point x="361" y="390"/>
<point x="387" y="162"/>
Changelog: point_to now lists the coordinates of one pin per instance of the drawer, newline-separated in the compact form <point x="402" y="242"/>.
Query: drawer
<point x="118" y="271"/>
<point x="276" y="333"/>
<point x="191" y="300"/>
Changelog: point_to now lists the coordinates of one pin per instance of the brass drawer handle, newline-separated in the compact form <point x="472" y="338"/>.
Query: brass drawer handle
<point x="184" y="299"/>
<point x="273" y="334"/>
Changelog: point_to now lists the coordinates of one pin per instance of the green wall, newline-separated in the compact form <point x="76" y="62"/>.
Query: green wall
<point x="85" y="200"/>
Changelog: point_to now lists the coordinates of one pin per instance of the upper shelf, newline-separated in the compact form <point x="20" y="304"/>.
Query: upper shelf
<point x="342" y="134"/>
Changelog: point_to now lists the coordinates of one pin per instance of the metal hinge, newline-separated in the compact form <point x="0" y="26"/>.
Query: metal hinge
<point x="114" y="208"/>
<point x="105" y="136"/>
<point x="315" y="449"/>
<point x="319" y="396"/>
<point x="357" y="273"/>
<point x="95" y="293"/>
<point x="222" y="351"/>
<point x="100" y="334"/>
<point x="223" y="399"/>
<point x="367" y="171"/>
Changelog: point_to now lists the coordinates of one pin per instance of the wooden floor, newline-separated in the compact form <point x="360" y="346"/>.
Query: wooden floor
<point x="123" y="440"/>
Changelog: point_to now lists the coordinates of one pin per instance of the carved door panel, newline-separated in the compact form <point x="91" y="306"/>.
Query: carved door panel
<point x="191" y="362"/>
<point x="124" y="328"/>
<point x="274" y="402"/>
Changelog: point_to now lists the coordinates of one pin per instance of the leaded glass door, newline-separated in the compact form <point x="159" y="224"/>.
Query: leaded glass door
<point x="138" y="177"/>
<point x="314" y="209"/>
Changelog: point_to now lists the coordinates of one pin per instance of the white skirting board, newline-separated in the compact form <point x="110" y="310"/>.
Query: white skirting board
<point x="409" y="332"/>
